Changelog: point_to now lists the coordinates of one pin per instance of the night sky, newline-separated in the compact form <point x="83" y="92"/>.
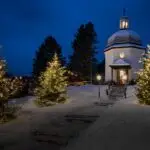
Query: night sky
<point x="25" y="23"/>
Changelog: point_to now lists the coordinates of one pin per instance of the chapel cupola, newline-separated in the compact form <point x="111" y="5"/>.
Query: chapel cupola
<point x="124" y="21"/>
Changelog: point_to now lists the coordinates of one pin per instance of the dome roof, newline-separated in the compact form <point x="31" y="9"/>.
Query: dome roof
<point x="124" y="37"/>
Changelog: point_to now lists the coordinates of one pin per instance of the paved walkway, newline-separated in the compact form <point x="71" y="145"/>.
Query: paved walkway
<point x="50" y="128"/>
<point x="125" y="126"/>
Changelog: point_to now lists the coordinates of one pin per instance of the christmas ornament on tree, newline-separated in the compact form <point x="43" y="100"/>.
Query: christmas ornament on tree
<point x="52" y="84"/>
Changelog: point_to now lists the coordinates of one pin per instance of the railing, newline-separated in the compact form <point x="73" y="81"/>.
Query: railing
<point x="117" y="90"/>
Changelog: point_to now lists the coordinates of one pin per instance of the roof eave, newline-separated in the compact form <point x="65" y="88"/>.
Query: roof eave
<point x="131" y="46"/>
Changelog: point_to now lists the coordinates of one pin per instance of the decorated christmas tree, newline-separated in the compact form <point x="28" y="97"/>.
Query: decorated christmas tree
<point x="52" y="84"/>
<point x="143" y="81"/>
<point x="7" y="88"/>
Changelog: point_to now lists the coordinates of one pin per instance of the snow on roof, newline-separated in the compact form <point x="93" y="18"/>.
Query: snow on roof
<point x="125" y="32"/>
<point x="124" y="36"/>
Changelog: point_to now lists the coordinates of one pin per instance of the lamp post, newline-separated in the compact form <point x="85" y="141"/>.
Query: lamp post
<point x="91" y="71"/>
<point x="98" y="77"/>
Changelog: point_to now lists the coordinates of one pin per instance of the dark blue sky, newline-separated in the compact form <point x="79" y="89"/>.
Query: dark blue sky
<point x="25" y="23"/>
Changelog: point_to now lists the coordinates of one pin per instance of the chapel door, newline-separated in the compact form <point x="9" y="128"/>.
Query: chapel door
<point x="122" y="76"/>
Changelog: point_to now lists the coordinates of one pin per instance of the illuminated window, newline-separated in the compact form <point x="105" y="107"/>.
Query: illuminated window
<point x="123" y="24"/>
<point x="126" y="24"/>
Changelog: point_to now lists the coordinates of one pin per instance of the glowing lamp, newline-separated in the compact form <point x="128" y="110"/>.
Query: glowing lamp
<point x="98" y="77"/>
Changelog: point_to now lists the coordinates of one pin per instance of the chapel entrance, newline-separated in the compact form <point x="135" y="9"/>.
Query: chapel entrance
<point x="121" y="74"/>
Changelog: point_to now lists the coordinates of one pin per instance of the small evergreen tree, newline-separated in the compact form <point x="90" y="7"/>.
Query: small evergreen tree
<point x="52" y="84"/>
<point x="143" y="83"/>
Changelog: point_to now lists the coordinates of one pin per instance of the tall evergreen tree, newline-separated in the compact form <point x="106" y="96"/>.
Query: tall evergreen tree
<point x="83" y="61"/>
<point x="45" y="54"/>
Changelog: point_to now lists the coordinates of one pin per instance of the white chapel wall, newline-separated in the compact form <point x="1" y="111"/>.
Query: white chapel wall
<point x="108" y="61"/>
<point x="131" y="54"/>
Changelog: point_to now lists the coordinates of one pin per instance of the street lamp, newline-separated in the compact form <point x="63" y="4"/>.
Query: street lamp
<point x="91" y="71"/>
<point x="99" y="77"/>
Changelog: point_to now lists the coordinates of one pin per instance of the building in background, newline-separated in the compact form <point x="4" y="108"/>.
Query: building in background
<point x="122" y="54"/>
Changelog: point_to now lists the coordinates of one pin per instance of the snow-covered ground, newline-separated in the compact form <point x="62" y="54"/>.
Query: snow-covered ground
<point x="125" y="126"/>
<point x="47" y="128"/>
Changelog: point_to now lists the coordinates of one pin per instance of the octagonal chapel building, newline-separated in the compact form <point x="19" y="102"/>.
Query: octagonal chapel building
<point x="122" y="54"/>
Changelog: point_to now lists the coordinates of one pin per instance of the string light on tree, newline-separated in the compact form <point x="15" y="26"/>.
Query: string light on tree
<point x="143" y="80"/>
<point x="52" y="84"/>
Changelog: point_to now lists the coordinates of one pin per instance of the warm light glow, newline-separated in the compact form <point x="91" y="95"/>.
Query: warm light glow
<point x="122" y="72"/>
<point x="126" y="24"/>
<point x="124" y="77"/>
<point x="98" y="77"/>
<point x="122" y="55"/>
<point x="123" y="24"/>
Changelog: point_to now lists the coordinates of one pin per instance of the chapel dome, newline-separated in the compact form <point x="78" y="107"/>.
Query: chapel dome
<point x="124" y="36"/>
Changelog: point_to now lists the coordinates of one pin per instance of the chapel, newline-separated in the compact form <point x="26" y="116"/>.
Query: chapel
<point x="122" y="53"/>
